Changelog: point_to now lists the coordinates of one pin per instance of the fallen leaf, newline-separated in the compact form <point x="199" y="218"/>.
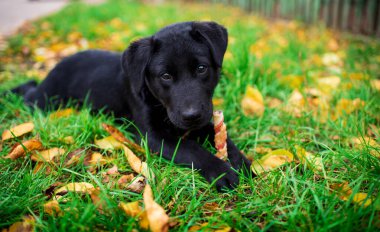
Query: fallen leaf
<point x="124" y="180"/>
<point x="94" y="159"/>
<point x="26" y="225"/>
<point x="306" y="158"/>
<point x="79" y="187"/>
<point x="48" y="155"/>
<point x="327" y="84"/>
<point x="136" y="164"/>
<point x="158" y="219"/>
<point x="96" y="200"/>
<point x="21" y="149"/>
<point x="375" y="84"/>
<point x="108" y="143"/>
<point x="364" y="142"/>
<point x="18" y="131"/>
<point x="274" y="102"/>
<point x="113" y="171"/>
<point x="121" y="138"/>
<point x="131" y="209"/>
<point x="272" y="160"/>
<point x="137" y="185"/>
<point x="252" y="102"/>
<point x="52" y="208"/>
<point x="62" y="113"/>
<point x="68" y="140"/>
<point x="346" y="106"/>
<point x="295" y="104"/>
<point x="217" y="101"/>
<point x="345" y="193"/>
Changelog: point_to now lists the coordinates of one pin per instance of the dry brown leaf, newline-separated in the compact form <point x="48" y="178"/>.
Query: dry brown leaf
<point x="108" y="143"/>
<point x="95" y="159"/>
<point x="252" y="102"/>
<point x="18" y="131"/>
<point x="52" y="208"/>
<point x="295" y="104"/>
<point x="121" y="138"/>
<point x="206" y="227"/>
<point x="137" y="165"/>
<point x="79" y="187"/>
<point x="62" y="113"/>
<point x="124" y="180"/>
<point x="48" y="155"/>
<point x="158" y="219"/>
<point x="113" y="171"/>
<point x="274" y="102"/>
<point x="68" y="140"/>
<point x="306" y="158"/>
<point x="26" y="225"/>
<point x="137" y="185"/>
<point x="272" y="160"/>
<point x="40" y="165"/>
<point x="96" y="200"/>
<point x="21" y="149"/>
<point x="131" y="209"/>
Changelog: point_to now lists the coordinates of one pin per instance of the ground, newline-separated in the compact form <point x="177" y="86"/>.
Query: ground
<point x="307" y="90"/>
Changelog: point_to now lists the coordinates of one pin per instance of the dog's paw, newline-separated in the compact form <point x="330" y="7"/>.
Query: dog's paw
<point x="241" y="163"/>
<point x="225" y="176"/>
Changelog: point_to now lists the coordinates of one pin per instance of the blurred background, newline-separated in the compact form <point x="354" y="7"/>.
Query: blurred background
<point x="355" y="16"/>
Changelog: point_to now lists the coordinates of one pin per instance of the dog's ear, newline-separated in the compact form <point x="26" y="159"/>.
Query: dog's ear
<point x="215" y="36"/>
<point x="135" y="60"/>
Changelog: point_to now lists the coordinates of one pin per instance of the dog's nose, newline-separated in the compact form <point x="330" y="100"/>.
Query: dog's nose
<point x="191" y="115"/>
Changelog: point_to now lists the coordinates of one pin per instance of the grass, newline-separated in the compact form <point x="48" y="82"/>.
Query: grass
<point x="276" y="57"/>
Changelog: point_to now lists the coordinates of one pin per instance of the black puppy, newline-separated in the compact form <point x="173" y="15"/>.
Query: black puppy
<point x="163" y="83"/>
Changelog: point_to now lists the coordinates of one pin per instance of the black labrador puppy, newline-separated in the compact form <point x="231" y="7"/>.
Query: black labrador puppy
<point x="163" y="83"/>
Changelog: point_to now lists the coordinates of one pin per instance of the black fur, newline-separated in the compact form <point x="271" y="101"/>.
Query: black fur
<point x="163" y="83"/>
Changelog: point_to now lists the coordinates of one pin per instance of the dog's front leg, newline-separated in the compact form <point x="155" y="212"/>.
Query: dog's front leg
<point x="191" y="154"/>
<point x="235" y="157"/>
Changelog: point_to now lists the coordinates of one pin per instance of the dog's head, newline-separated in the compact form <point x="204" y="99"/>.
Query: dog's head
<point x="180" y="66"/>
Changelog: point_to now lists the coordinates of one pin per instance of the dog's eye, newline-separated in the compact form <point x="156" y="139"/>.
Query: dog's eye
<point x="166" y="77"/>
<point x="201" y="69"/>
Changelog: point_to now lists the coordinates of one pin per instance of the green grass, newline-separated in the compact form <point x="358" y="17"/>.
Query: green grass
<point x="291" y="198"/>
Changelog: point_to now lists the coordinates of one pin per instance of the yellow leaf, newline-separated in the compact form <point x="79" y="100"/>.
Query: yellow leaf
<point x="52" y="208"/>
<point x="362" y="198"/>
<point x="252" y="102"/>
<point x="272" y="160"/>
<point x="121" y="138"/>
<point x="306" y="158"/>
<point x="136" y="164"/>
<point x="331" y="59"/>
<point x="158" y="220"/>
<point x="26" y="225"/>
<point x="108" y="143"/>
<point x="79" y="187"/>
<point x="293" y="81"/>
<point x="375" y="84"/>
<point x="217" y="101"/>
<point x="18" y="130"/>
<point x="21" y="149"/>
<point x="62" y="113"/>
<point x="131" y="209"/>
<point x="345" y="192"/>
<point x="345" y="106"/>
<point x="47" y="155"/>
